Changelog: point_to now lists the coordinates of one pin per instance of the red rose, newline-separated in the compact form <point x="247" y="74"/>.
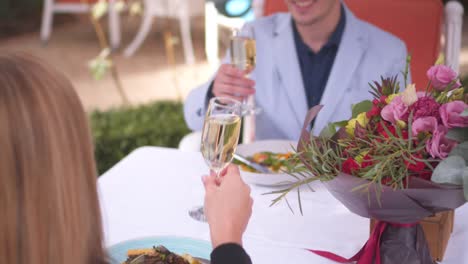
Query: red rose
<point x="350" y="165"/>
<point x="375" y="111"/>
<point x="404" y="134"/>
<point x="392" y="130"/>
<point x="386" y="180"/>
<point x="426" y="175"/>
<point x="366" y="161"/>
<point x="418" y="166"/>
<point x="383" y="99"/>
<point x="381" y="130"/>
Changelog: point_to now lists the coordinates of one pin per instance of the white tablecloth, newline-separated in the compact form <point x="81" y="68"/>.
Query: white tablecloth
<point x="150" y="192"/>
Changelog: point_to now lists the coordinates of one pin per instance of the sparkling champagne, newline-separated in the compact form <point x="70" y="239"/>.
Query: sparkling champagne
<point x="219" y="139"/>
<point x="243" y="52"/>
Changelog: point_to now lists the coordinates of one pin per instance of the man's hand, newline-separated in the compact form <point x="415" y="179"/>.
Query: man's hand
<point x="231" y="82"/>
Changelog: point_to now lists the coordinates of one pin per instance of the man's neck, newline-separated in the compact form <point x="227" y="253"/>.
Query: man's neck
<point x="316" y="35"/>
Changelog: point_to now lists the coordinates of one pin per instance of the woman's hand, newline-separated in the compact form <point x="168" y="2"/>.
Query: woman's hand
<point x="228" y="207"/>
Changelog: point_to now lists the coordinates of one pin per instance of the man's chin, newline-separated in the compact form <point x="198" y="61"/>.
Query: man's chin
<point x="304" y="21"/>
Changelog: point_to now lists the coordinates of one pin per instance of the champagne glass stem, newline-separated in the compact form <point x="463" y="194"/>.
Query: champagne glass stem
<point x="198" y="213"/>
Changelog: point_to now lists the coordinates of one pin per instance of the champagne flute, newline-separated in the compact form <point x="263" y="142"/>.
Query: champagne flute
<point x="243" y="56"/>
<point x="220" y="136"/>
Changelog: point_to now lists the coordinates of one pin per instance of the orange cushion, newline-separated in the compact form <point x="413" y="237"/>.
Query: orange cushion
<point x="416" y="22"/>
<point x="274" y="6"/>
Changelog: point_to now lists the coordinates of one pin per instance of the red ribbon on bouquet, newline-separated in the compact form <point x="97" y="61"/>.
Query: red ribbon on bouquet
<point x="369" y="252"/>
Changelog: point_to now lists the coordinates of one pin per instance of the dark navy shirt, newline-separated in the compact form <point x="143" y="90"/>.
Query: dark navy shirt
<point x="316" y="67"/>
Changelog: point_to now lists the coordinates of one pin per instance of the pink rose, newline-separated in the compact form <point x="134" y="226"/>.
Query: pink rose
<point x="424" y="124"/>
<point x="395" y="111"/>
<point x="441" y="76"/>
<point x="439" y="146"/>
<point x="450" y="114"/>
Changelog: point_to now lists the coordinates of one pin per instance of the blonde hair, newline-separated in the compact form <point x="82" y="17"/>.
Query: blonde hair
<point x="48" y="198"/>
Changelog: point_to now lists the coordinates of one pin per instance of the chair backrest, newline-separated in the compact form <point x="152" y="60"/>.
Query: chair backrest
<point x="274" y="6"/>
<point x="417" y="22"/>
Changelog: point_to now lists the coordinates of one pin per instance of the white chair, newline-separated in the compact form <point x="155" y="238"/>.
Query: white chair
<point x="191" y="142"/>
<point x="55" y="6"/>
<point x="181" y="9"/>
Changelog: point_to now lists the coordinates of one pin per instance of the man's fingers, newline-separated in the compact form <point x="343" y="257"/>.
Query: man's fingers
<point x="233" y="90"/>
<point x="236" y="81"/>
<point x="230" y="70"/>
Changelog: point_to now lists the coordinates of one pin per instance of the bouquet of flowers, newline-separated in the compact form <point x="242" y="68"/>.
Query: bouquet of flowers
<point x="402" y="157"/>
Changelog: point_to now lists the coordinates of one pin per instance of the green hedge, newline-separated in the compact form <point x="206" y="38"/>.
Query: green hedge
<point x="118" y="132"/>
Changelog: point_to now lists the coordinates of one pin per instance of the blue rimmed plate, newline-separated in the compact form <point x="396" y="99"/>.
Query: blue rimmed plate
<point x="180" y="245"/>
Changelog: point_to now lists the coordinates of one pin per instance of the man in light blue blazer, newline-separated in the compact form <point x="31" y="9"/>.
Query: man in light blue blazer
<point x="318" y="53"/>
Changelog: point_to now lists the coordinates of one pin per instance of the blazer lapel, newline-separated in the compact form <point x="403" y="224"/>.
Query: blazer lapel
<point x="288" y="67"/>
<point x="347" y="60"/>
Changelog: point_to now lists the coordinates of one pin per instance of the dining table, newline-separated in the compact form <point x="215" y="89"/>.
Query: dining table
<point x="151" y="191"/>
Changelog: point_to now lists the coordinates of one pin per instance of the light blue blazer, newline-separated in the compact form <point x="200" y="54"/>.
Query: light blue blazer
<point x="365" y="54"/>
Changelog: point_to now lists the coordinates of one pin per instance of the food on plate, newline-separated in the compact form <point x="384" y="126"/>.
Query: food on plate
<point x="276" y="162"/>
<point x="157" y="255"/>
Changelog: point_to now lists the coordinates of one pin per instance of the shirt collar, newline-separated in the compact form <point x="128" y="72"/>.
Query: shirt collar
<point x="334" y="39"/>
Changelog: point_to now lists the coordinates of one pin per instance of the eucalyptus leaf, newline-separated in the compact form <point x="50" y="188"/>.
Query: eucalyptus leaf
<point x="459" y="134"/>
<point x="465" y="112"/>
<point x="361" y="107"/>
<point x="450" y="170"/>
<point x="461" y="150"/>
<point x="328" y="131"/>
<point x="465" y="183"/>
<point x="341" y="123"/>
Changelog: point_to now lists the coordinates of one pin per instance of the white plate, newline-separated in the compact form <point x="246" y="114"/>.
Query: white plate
<point x="266" y="179"/>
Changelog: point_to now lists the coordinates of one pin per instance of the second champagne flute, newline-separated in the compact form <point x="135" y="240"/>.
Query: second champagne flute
<point x="220" y="137"/>
<point x="244" y="57"/>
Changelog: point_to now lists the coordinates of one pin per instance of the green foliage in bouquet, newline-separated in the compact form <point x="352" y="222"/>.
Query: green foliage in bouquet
<point x="119" y="131"/>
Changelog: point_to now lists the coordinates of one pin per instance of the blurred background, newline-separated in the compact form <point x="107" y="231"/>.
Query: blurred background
<point x="133" y="62"/>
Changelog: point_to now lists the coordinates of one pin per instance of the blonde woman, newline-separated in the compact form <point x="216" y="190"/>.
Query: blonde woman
<point x="48" y="200"/>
